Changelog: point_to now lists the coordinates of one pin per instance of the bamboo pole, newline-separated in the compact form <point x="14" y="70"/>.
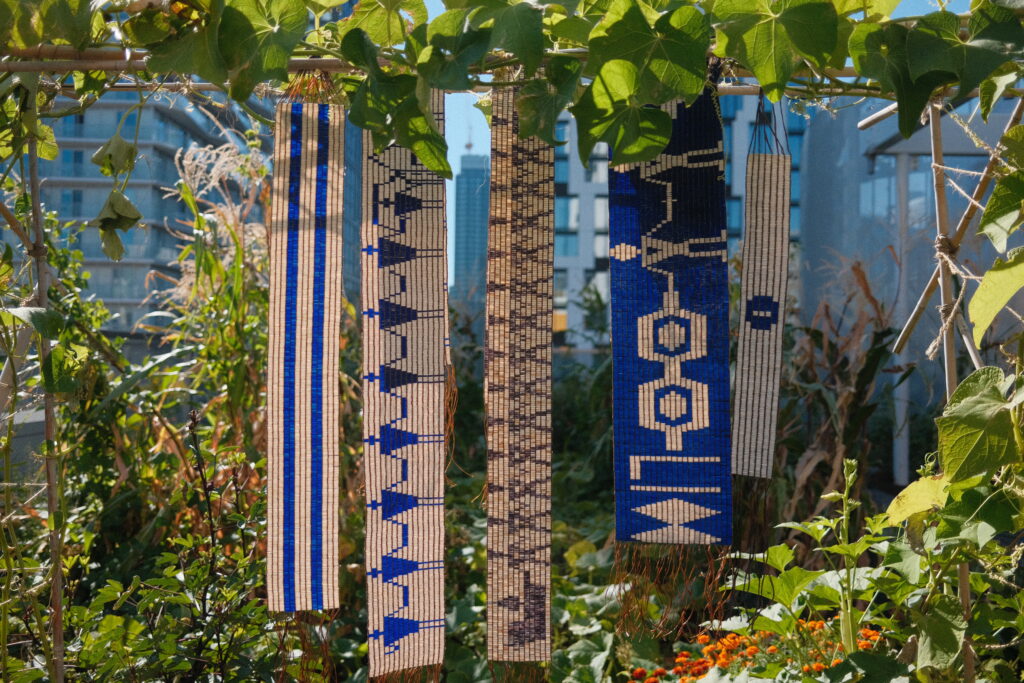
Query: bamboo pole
<point x="948" y="332"/>
<point x="961" y="229"/>
<point x="53" y="507"/>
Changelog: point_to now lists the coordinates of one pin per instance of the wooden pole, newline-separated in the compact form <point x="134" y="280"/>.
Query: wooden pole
<point x="961" y="229"/>
<point x="948" y="332"/>
<point x="53" y="506"/>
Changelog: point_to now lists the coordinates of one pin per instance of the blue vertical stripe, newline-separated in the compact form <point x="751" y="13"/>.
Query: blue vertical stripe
<point x="316" y="355"/>
<point x="288" y="403"/>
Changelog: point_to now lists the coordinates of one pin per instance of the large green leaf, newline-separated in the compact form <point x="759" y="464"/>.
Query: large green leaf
<point x="416" y="132"/>
<point x="940" y="632"/>
<point x="72" y="19"/>
<point x="783" y="589"/>
<point x="881" y="53"/>
<point x="1002" y="215"/>
<point x="46" y="322"/>
<point x="257" y="38"/>
<point x="1001" y="282"/>
<point x="771" y="38"/>
<point x="386" y="21"/>
<point x="453" y="46"/>
<point x="671" y="56"/>
<point x="542" y="100"/>
<point x="976" y="432"/>
<point x="115" y="157"/>
<point x="195" y="52"/>
<point x="992" y="88"/>
<point x="516" y="28"/>
<point x="606" y="112"/>
<point x="994" y="35"/>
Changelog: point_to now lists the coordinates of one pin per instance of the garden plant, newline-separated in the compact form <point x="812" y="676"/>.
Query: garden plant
<point x="132" y="547"/>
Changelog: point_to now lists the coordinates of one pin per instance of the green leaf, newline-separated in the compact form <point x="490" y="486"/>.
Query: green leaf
<point x="769" y="38"/>
<point x="46" y="142"/>
<point x="606" y="112"/>
<point x="46" y="322"/>
<point x="112" y="245"/>
<point x="147" y="27"/>
<point x="783" y="589"/>
<point x="541" y="100"/>
<point x="418" y="133"/>
<point x="115" y="157"/>
<point x="941" y="632"/>
<point x="777" y="556"/>
<point x="923" y="495"/>
<point x="870" y="667"/>
<point x="1002" y="215"/>
<point x="1013" y="146"/>
<point x="118" y="213"/>
<point x="976" y="434"/>
<point x="994" y="35"/>
<point x="61" y="366"/>
<point x="256" y="38"/>
<point x="195" y="52"/>
<point x="881" y="53"/>
<point x="901" y="558"/>
<point x="993" y="87"/>
<point x="677" y="63"/>
<point x="73" y="21"/>
<point x="454" y="46"/>
<point x="517" y="29"/>
<point x="386" y="21"/>
<point x="1001" y="282"/>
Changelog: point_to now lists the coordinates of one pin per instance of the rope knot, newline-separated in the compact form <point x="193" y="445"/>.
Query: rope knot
<point x="945" y="247"/>
<point x="37" y="252"/>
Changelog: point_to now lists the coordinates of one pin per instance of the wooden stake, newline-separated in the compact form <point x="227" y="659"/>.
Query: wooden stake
<point x="948" y="331"/>
<point x="53" y="507"/>
<point x="961" y="230"/>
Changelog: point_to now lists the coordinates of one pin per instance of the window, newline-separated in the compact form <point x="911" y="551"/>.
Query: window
<point x="72" y="125"/>
<point x="71" y="204"/>
<point x="567" y="244"/>
<point x="567" y="214"/>
<point x="794" y="186"/>
<point x="561" y="288"/>
<point x="72" y="162"/>
<point x="597" y="167"/>
<point x="561" y="169"/>
<point x="600" y="214"/>
<point x="562" y="134"/>
<point x="601" y="246"/>
<point x="796" y="148"/>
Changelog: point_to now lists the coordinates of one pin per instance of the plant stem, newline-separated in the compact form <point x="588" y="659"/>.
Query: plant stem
<point x="53" y="502"/>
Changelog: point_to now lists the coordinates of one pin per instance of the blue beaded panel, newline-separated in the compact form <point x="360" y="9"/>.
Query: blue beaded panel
<point x="302" y="392"/>
<point x="670" y="338"/>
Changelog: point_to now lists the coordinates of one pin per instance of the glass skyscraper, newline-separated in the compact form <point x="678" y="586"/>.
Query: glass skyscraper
<point x="469" y="260"/>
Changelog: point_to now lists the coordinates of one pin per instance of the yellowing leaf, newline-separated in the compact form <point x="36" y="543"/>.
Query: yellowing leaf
<point x="921" y="496"/>
<point x="1000" y="284"/>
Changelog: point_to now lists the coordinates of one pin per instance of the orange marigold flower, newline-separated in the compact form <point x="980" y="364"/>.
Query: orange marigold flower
<point x="752" y="650"/>
<point x="703" y="639"/>
<point x="863" y="644"/>
<point x="678" y="671"/>
<point x="772" y="649"/>
<point x="683" y="655"/>
<point x="652" y="679"/>
<point x="836" y="661"/>
<point x="806" y="668"/>
<point x="659" y="672"/>
<point x="639" y="674"/>
<point x="818" y="667"/>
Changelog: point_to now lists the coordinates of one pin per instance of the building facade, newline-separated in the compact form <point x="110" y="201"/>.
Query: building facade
<point x="74" y="188"/>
